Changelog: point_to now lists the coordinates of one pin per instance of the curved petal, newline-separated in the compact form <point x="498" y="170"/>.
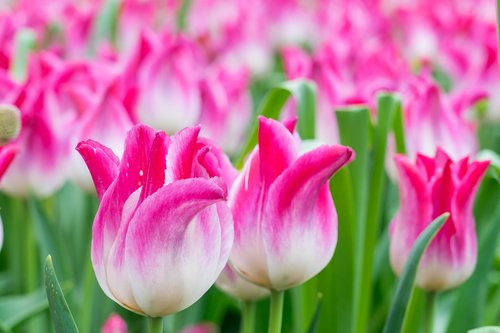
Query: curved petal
<point x="171" y="238"/>
<point x="246" y="199"/>
<point x="7" y="154"/>
<point x="109" y="218"/>
<point x="181" y="154"/>
<point x="277" y="149"/>
<point x="102" y="164"/>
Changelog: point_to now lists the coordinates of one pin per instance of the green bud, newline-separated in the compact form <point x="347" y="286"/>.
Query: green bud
<point x="10" y="123"/>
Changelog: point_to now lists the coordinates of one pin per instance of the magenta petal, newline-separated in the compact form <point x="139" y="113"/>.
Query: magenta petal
<point x="277" y="149"/>
<point x="6" y="156"/>
<point x="155" y="174"/>
<point x="181" y="154"/>
<point x="102" y="164"/>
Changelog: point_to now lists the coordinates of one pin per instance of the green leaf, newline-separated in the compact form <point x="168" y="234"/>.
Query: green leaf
<point x="394" y="323"/>
<point x="487" y="329"/>
<point x="105" y="25"/>
<point x="354" y="129"/>
<point x="304" y="93"/>
<point x="25" y="41"/>
<point x="313" y="326"/>
<point x="16" y="309"/>
<point x="59" y="310"/>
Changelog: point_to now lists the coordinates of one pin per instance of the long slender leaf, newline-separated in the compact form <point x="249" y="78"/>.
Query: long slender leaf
<point x="394" y="323"/>
<point x="354" y="129"/>
<point x="15" y="309"/>
<point x="488" y="329"/>
<point x="59" y="310"/>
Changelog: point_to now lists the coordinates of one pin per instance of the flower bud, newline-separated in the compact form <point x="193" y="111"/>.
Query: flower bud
<point x="10" y="123"/>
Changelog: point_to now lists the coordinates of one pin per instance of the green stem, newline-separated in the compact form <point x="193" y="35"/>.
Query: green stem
<point x="430" y="302"/>
<point x="155" y="325"/>
<point x="276" y="313"/>
<point x="248" y="317"/>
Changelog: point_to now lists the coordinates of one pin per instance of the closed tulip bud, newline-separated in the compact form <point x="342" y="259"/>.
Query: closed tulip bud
<point x="429" y="188"/>
<point x="284" y="215"/>
<point x="114" y="324"/>
<point x="163" y="231"/>
<point x="10" y="123"/>
<point x="231" y="283"/>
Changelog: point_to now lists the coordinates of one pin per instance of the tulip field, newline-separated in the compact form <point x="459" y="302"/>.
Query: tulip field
<point x="236" y="166"/>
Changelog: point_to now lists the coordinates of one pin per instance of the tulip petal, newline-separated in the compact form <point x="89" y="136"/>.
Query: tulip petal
<point x="277" y="149"/>
<point x="7" y="154"/>
<point x="109" y="219"/>
<point x="181" y="154"/>
<point x="155" y="244"/>
<point x="102" y="164"/>
<point x="246" y="199"/>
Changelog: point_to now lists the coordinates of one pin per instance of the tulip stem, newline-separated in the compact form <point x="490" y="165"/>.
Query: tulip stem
<point x="430" y="303"/>
<point x="248" y="317"/>
<point x="155" y="325"/>
<point x="276" y="313"/>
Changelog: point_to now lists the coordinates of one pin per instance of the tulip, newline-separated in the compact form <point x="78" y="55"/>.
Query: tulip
<point x="163" y="232"/>
<point x="114" y="324"/>
<point x="226" y="106"/>
<point x="429" y="188"/>
<point x="231" y="283"/>
<point x="167" y="73"/>
<point x="284" y="215"/>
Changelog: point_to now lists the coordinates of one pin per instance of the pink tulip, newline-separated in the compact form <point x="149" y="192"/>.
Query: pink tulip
<point x="166" y="72"/>
<point x="431" y="121"/>
<point x="429" y="188"/>
<point x="114" y="324"/>
<point x="41" y="166"/>
<point x="233" y="284"/>
<point x="226" y="107"/>
<point x="285" y="218"/>
<point x="163" y="232"/>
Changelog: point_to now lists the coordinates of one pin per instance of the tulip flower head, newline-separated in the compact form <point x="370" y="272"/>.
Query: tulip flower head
<point x="163" y="231"/>
<point x="233" y="284"/>
<point x="284" y="215"/>
<point x="429" y="188"/>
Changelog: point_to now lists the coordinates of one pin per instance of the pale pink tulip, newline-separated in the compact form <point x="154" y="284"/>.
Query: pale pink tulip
<point x="429" y="188"/>
<point x="233" y="284"/>
<point x="166" y="72"/>
<point x="285" y="218"/>
<point x="114" y="324"/>
<point x="163" y="232"/>
<point x="226" y="107"/>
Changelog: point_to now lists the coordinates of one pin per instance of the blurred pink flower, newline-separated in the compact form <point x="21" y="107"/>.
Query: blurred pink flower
<point x="162" y="210"/>
<point x="166" y="71"/>
<point x="226" y="106"/>
<point x="114" y="324"/>
<point x="428" y="188"/>
<point x="201" y="328"/>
